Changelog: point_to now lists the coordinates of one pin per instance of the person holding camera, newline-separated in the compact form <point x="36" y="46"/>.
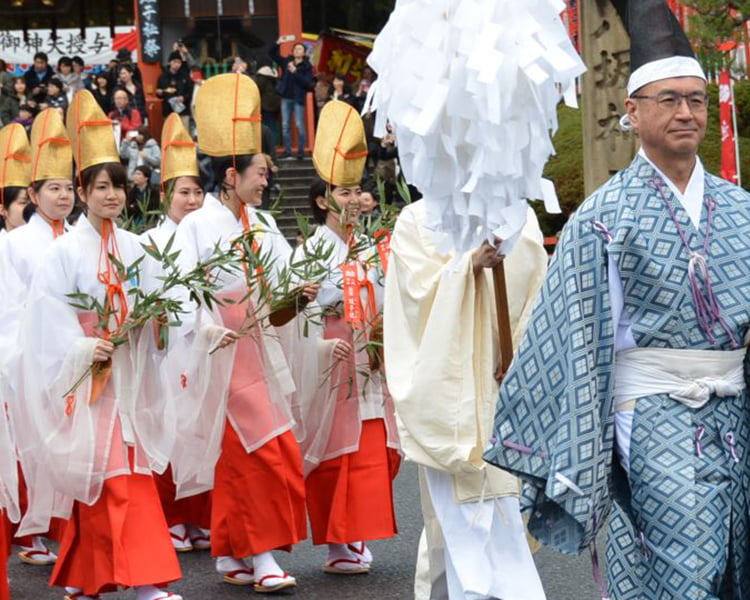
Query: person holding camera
<point x="175" y="88"/>
<point x="138" y="148"/>
<point x="37" y="77"/>
<point x="296" y="81"/>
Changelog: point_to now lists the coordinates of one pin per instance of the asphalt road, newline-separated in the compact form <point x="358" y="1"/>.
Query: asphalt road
<point x="564" y="578"/>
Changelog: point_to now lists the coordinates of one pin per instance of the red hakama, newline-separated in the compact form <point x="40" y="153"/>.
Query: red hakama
<point x="350" y="497"/>
<point x="195" y="510"/>
<point x="258" y="498"/>
<point x="122" y="540"/>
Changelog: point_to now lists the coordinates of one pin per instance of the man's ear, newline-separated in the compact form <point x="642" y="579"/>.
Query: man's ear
<point x="631" y="110"/>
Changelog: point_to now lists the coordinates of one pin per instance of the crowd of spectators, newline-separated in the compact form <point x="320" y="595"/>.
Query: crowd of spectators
<point x="284" y="83"/>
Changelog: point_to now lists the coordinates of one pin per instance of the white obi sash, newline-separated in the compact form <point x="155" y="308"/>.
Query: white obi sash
<point x="687" y="376"/>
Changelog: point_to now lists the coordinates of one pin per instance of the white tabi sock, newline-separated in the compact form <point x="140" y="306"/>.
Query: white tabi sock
<point x="37" y="543"/>
<point x="348" y="560"/>
<point x="360" y="550"/>
<point x="180" y="538"/>
<point x="265" y="564"/>
<point x="228" y="564"/>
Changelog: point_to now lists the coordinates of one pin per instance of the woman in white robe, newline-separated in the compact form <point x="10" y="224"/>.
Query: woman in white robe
<point x="182" y="193"/>
<point x="239" y="439"/>
<point x="95" y="424"/>
<point x="347" y="429"/>
<point x="51" y="201"/>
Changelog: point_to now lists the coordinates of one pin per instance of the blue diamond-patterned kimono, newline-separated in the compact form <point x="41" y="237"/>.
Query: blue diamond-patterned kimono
<point x="678" y="521"/>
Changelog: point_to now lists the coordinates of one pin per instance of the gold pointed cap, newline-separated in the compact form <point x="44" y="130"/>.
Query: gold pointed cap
<point x="227" y="113"/>
<point x="178" y="157"/>
<point x="90" y="132"/>
<point x="15" y="153"/>
<point x="51" y="152"/>
<point x="340" y="150"/>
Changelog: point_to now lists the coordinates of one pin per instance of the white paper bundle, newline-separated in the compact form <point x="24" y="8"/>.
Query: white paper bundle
<point x="471" y="88"/>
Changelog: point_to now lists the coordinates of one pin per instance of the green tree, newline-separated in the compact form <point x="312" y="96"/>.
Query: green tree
<point x="716" y="21"/>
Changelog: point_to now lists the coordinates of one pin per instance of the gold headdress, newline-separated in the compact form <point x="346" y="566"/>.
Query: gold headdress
<point x="15" y="153"/>
<point x="178" y="157"/>
<point x="340" y="151"/>
<point x="51" y="153"/>
<point x="231" y="132"/>
<point x="90" y="132"/>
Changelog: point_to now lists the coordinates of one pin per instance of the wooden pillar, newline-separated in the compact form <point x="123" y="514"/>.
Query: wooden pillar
<point x="150" y="73"/>
<point x="290" y="21"/>
<point x="606" y="51"/>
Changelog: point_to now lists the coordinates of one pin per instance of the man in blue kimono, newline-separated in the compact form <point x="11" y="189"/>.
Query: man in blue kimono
<point x="626" y="399"/>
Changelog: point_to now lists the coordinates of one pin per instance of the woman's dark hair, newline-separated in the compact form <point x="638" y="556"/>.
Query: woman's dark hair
<point x="9" y="196"/>
<point x="117" y="174"/>
<point x="28" y="108"/>
<point x="220" y="164"/>
<point x="77" y="60"/>
<point x="30" y="207"/>
<point x="145" y="169"/>
<point x="126" y="67"/>
<point x="319" y="189"/>
<point x="371" y="187"/>
<point x="65" y="61"/>
<point x="3" y="66"/>
<point x="194" y="178"/>
<point x="145" y="132"/>
<point x="101" y="75"/>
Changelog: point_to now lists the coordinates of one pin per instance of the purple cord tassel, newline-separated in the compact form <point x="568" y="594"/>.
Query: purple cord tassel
<point x="729" y="439"/>
<point x="699" y="432"/>
<point x="707" y="309"/>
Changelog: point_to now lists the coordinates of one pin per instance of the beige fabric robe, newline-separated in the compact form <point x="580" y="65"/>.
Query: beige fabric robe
<point x="441" y="348"/>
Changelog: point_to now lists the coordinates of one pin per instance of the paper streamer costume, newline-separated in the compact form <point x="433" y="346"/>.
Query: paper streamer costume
<point x="472" y="94"/>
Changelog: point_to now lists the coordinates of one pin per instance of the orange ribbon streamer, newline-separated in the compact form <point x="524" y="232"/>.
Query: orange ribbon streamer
<point x="108" y="275"/>
<point x="265" y="288"/>
<point x="354" y="311"/>
<point x="383" y="244"/>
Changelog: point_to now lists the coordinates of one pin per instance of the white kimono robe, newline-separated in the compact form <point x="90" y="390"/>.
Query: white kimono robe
<point x="323" y="432"/>
<point x="21" y="253"/>
<point x="205" y="405"/>
<point x="160" y="234"/>
<point x="68" y="446"/>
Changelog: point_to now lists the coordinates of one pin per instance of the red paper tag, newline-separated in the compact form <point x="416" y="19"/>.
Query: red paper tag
<point x="353" y="312"/>
<point x="383" y="239"/>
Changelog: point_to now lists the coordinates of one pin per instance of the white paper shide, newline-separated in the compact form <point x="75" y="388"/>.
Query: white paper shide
<point x="471" y="88"/>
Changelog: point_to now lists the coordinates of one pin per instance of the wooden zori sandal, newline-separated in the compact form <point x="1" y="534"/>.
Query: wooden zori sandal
<point x="46" y="557"/>
<point x="285" y="581"/>
<point x="358" y="568"/>
<point x="181" y="543"/>
<point x="231" y="577"/>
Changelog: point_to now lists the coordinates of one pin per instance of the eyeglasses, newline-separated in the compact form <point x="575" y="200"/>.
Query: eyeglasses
<point x="671" y="101"/>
